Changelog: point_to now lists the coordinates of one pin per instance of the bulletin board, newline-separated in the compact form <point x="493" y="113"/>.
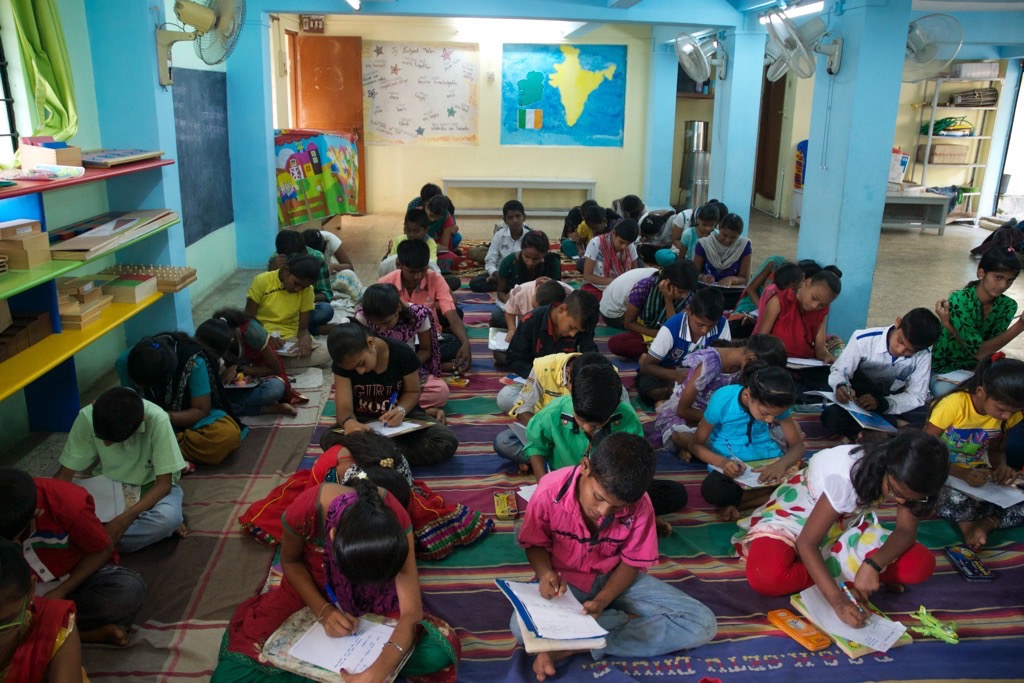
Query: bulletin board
<point x="204" y="164"/>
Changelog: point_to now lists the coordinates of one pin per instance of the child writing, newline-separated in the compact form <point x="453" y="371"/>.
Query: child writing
<point x="581" y="224"/>
<point x="972" y="421"/>
<point x="530" y="295"/>
<point x="884" y="370"/>
<point x="506" y="241"/>
<point x="378" y="380"/>
<point x="786" y="276"/>
<point x="328" y="244"/>
<point x="724" y="257"/>
<point x="442" y="226"/>
<point x="799" y="317"/>
<point x="38" y="638"/>
<point x="744" y="315"/>
<point x="346" y="551"/>
<point x="290" y="243"/>
<point x="736" y="429"/>
<point x="650" y="303"/>
<point x="703" y="222"/>
<point x="609" y="256"/>
<point x="976" y="320"/>
<point x="282" y="301"/>
<point x="384" y="313"/>
<point x="710" y="369"/>
<point x="414" y="227"/>
<point x="533" y="260"/>
<point x="821" y="526"/>
<point x="610" y="512"/>
<point x="557" y="328"/>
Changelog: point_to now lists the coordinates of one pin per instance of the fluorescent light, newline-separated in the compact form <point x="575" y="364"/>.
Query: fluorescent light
<point x="799" y="11"/>
<point x="354" y="4"/>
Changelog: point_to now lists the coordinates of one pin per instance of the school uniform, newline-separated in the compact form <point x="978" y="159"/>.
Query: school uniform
<point x="535" y="337"/>
<point x="649" y="618"/>
<point x="899" y="384"/>
<point x="671" y="347"/>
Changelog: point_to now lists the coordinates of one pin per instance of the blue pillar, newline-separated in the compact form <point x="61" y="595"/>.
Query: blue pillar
<point x="661" y="117"/>
<point x="853" y="122"/>
<point x="737" y="112"/>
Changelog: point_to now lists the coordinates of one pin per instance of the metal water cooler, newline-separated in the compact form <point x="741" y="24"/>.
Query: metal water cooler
<point x="696" y="163"/>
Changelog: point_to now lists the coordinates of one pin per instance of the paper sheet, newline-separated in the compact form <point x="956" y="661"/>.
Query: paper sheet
<point x="804" y="362"/>
<point x="496" y="339"/>
<point x="526" y="492"/>
<point x="407" y="426"/>
<point x="955" y="376"/>
<point x="749" y="478"/>
<point x="1000" y="494"/>
<point x="879" y="633"/>
<point x="560" y="617"/>
<point x="865" y="418"/>
<point x="106" y="493"/>
<point x="352" y="653"/>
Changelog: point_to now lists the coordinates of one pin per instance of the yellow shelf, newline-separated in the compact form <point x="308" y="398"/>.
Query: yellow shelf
<point x="31" y="364"/>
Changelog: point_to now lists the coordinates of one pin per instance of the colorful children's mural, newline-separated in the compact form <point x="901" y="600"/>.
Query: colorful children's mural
<point x="317" y="175"/>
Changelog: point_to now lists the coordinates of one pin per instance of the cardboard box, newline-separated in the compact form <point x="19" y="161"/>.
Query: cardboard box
<point x="944" y="154"/>
<point x="18" y="259"/>
<point x="17" y="339"/>
<point x="32" y="156"/>
<point x="19" y="226"/>
<point x="26" y="241"/>
<point x="37" y="323"/>
<point x="898" y="166"/>
<point x="5" y="315"/>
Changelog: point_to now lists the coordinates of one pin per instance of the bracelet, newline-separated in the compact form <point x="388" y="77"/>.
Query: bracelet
<point x="320" y="616"/>
<point x="395" y="645"/>
<point x="402" y="408"/>
<point x="874" y="565"/>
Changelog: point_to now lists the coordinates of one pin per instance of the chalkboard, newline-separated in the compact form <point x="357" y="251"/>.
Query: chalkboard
<point x="204" y="166"/>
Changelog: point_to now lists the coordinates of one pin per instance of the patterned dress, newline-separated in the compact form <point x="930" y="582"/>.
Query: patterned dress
<point x="666" y="421"/>
<point x="965" y="313"/>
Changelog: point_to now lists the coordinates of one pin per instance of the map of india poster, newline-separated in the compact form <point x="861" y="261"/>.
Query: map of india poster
<point x="563" y="95"/>
<point x="420" y="93"/>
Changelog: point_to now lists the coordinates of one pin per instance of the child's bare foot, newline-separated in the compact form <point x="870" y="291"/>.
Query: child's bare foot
<point x="182" y="531"/>
<point x="730" y="513"/>
<point x="525" y="469"/>
<point x="437" y="414"/>
<point x="544" y="663"/>
<point x="111" y="634"/>
<point x="976" y="532"/>
<point x="893" y="587"/>
<point x="280" y="409"/>
<point x="664" y="528"/>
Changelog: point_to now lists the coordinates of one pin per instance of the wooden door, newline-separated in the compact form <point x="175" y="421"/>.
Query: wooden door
<point x="329" y="91"/>
<point x="769" y="137"/>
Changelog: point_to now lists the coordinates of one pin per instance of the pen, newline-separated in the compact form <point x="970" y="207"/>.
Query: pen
<point x="332" y="596"/>
<point x="849" y="594"/>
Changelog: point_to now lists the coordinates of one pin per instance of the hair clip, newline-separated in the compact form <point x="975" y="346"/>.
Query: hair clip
<point x="998" y="355"/>
<point x="387" y="463"/>
<point x="360" y="475"/>
<point x="154" y="345"/>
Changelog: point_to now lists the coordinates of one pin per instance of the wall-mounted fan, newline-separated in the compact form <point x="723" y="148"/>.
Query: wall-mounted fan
<point x="697" y="57"/>
<point x="217" y="25"/>
<point x="933" y="41"/>
<point x="811" y="32"/>
<point x="795" y="49"/>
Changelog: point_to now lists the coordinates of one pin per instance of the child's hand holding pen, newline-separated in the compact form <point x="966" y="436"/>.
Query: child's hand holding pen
<point x="335" y="622"/>
<point x="733" y="466"/>
<point x="848" y="607"/>
<point x="1003" y="474"/>
<point x="551" y="585"/>
<point x="845" y="393"/>
<point x="395" y="414"/>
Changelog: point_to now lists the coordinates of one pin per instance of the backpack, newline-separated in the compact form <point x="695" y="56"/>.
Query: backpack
<point x="1006" y="236"/>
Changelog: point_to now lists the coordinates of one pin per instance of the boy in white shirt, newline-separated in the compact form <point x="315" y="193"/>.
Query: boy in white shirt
<point x="507" y="240"/>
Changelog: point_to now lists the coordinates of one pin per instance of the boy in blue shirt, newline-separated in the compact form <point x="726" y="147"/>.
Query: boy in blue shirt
<point x="695" y="328"/>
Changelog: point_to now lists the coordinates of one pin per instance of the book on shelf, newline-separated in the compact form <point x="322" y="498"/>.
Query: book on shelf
<point x="94" y="236"/>
<point x="108" y="158"/>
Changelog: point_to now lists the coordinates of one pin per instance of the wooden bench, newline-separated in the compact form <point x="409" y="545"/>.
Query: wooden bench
<point x="519" y="185"/>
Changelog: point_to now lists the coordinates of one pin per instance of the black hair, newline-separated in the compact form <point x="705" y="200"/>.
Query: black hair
<point x="18" y="499"/>
<point x="535" y="239"/>
<point x="596" y="392"/>
<point x="627" y="229"/>
<point x="707" y="303"/>
<point x="770" y="385"/>
<point x="624" y="465"/>
<point x="413" y="254"/>
<point x="382" y="300"/>
<point x="304" y="266"/>
<point x="583" y="360"/>
<point x="437" y="205"/>
<point x="681" y="274"/>
<point x="912" y="457"/>
<point x="513" y="205"/>
<point x="809" y="266"/>
<point x="314" y="239"/>
<point x="117" y="414"/>
<point x="417" y="216"/>
<point x="369" y="545"/>
<point x="834" y="269"/>
<point x="152" y="361"/>
<point x="428" y="191"/>
<point x="709" y="212"/>
<point x="586" y="204"/>
<point x="15" y="577"/>
<point x="767" y="348"/>
<point x="921" y="327"/>
<point x="234" y="317"/>
<point x="550" y="292"/>
<point x="215" y="337"/>
<point x="347" y="339"/>
<point x="632" y="206"/>
<point x="583" y="306"/>
<point x="998" y="260"/>
<point x="787" y="275"/>
<point x="1002" y="379"/>
<point x="289" y="242"/>
<point x="831" y="280"/>
<point x="731" y="222"/>
<point x="594" y="214"/>
<point x="376" y="455"/>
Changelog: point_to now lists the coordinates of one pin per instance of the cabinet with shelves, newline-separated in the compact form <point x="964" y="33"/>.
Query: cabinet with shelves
<point x="46" y="370"/>
<point x="969" y="173"/>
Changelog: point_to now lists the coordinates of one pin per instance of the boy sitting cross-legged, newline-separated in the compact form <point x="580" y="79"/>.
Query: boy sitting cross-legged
<point x="590" y="529"/>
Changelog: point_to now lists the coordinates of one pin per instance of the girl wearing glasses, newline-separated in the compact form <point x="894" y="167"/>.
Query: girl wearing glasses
<point x="822" y="526"/>
<point x="38" y="639"/>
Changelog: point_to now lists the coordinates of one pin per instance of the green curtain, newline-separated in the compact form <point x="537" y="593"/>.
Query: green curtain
<point x="41" y="39"/>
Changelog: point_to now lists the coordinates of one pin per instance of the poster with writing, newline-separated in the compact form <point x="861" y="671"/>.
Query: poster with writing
<point x="563" y="95"/>
<point x="420" y="93"/>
